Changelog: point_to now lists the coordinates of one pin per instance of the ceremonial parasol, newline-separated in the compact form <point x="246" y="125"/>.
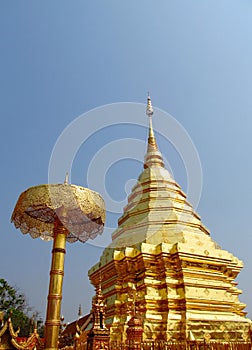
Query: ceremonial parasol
<point x="58" y="212"/>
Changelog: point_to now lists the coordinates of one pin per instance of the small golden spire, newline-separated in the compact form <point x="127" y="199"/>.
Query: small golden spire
<point x="100" y="285"/>
<point x="66" y="182"/>
<point x="98" y="307"/>
<point x="152" y="145"/>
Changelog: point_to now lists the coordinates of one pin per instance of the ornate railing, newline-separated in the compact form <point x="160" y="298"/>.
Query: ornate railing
<point x="190" y="345"/>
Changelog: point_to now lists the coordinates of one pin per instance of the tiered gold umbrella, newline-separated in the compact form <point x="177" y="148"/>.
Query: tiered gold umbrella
<point x="61" y="213"/>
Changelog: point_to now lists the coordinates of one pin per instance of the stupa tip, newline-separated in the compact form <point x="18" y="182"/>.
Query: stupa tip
<point x="149" y="109"/>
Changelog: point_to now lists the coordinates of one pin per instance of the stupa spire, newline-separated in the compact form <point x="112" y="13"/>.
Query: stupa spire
<point x="153" y="157"/>
<point x="149" y="111"/>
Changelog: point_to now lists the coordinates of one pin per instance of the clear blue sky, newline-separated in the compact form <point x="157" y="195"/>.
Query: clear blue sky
<point x="62" y="58"/>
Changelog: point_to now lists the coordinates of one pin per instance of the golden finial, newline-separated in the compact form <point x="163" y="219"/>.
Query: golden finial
<point x="66" y="182"/>
<point x="100" y="284"/>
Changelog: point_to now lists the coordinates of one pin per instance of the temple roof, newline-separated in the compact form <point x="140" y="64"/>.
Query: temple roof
<point x="157" y="209"/>
<point x="76" y="326"/>
<point x="9" y="338"/>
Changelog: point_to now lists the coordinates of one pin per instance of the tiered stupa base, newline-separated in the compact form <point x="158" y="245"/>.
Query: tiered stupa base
<point x="184" y="291"/>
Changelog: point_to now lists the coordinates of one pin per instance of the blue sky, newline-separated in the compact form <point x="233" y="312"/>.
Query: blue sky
<point x="60" y="59"/>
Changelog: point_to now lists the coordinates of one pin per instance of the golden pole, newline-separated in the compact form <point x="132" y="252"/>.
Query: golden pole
<point x="52" y="324"/>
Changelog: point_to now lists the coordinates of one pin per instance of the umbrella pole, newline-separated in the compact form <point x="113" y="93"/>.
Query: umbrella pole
<point x="52" y="324"/>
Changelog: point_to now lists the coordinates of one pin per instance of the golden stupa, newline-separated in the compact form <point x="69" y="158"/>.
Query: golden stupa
<point x="183" y="281"/>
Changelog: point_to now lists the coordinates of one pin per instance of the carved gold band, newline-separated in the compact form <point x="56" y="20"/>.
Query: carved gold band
<point x="57" y="272"/>
<point x="52" y="323"/>
<point x="59" y="250"/>
<point x="54" y="297"/>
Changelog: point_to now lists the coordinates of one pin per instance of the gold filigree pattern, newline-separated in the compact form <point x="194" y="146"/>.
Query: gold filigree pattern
<point x="81" y="211"/>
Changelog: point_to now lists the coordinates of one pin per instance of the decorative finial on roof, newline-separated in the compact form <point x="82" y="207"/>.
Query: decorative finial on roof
<point x="66" y="182"/>
<point x="79" y="311"/>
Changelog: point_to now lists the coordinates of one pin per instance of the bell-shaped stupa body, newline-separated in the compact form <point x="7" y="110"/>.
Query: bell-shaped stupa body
<point x="183" y="282"/>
